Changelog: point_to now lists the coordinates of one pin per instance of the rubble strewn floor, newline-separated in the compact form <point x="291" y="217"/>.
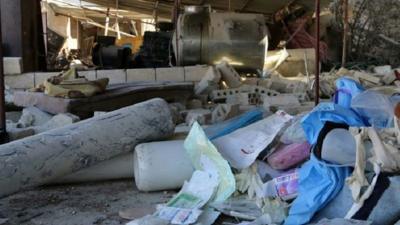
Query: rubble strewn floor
<point x="81" y="204"/>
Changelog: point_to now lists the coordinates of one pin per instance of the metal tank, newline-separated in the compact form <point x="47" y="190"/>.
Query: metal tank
<point x="205" y="37"/>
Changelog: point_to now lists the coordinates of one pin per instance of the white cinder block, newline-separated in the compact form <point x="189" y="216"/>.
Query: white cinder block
<point x="89" y="74"/>
<point x="41" y="77"/>
<point x="383" y="70"/>
<point x="134" y="75"/>
<point x="12" y="65"/>
<point x="195" y="73"/>
<point x="176" y="74"/>
<point x="22" y="81"/>
<point x="115" y="76"/>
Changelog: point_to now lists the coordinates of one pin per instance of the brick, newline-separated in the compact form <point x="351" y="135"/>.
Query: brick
<point x="12" y="65"/>
<point x="89" y="74"/>
<point x="22" y="81"/>
<point x="195" y="73"/>
<point x="176" y="74"/>
<point x="41" y="77"/>
<point x="115" y="76"/>
<point x="141" y="75"/>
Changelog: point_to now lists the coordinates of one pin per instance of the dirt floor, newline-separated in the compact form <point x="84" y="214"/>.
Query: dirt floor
<point x="84" y="204"/>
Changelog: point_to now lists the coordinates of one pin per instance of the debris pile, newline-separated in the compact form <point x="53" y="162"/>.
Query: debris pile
<point x="252" y="151"/>
<point x="321" y="165"/>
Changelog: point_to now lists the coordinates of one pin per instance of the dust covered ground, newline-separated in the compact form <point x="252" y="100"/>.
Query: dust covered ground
<point x="80" y="204"/>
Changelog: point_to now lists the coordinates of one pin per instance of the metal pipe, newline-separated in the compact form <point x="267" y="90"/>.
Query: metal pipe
<point x="107" y="22"/>
<point x="3" y="128"/>
<point x="317" y="54"/>
<point x="345" y="30"/>
<point x="177" y="6"/>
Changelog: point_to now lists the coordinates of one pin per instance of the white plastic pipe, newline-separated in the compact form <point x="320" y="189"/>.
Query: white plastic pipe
<point x="161" y="166"/>
<point x="120" y="167"/>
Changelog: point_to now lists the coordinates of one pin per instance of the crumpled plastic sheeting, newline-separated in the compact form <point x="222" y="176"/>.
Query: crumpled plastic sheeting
<point x="239" y="207"/>
<point x="319" y="183"/>
<point x="358" y="180"/>
<point x="346" y="90"/>
<point x="386" y="212"/>
<point x="360" y="188"/>
<point x="386" y="148"/>
<point x="197" y="145"/>
<point x="294" y="133"/>
<point x="375" y="108"/>
<point x="276" y="209"/>
<point x="339" y="221"/>
<point x="315" y="120"/>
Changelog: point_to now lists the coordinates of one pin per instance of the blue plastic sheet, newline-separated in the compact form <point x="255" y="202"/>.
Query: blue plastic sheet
<point x="346" y="90"/>
<point x="319" y="183"/>
<point x="227" y="127"/>
<point x="315" y="120"/>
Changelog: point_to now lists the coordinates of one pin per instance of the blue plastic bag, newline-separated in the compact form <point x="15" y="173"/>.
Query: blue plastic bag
<point x="346" y="90"/>
<point x="319" y="183"/>
<point x="227" y="127"/>
<point x="374" y="107"/>
<point x="315" y="120"/>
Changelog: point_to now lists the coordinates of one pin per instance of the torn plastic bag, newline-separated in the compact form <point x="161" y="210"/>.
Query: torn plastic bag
<point x="294" y="133"/>
<point x="382" y="208"/>
<point x="340" y="221"/>
<point x="346" y="90"/>
<point x="229" y="126"/>
<point x="328" y="112"/>
<point x="239" y="208"/>
<point x="288" y="156"/>
<point x="386" y="148"/>
<point x="319" y="183"/>
<point x="242" y="147"/>
<point x="375" y="108"/>
<point x="198" y="146"/>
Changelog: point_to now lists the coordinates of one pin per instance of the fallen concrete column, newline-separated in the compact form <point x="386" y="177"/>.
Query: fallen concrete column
<point x="119" y="167"/>
<point x="161" y="166"/>
<point x="42" y="158"/>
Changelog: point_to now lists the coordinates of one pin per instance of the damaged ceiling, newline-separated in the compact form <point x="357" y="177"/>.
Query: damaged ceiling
<point x="145" y="8"/>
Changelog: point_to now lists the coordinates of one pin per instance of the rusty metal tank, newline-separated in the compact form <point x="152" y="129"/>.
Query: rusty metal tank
<point x="205" y="37"/>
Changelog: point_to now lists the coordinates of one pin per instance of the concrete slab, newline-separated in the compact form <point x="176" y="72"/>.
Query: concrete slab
<point x="40" y="77"/>
<point x="134" y="75"/>
<point x="176" y="74"/>
<point x="12" y="65"/>
<point x="195" y="73"/>
<point x="22" y="81"/>
<point x="89" y="74"/>
<point x="115" y="76"/>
